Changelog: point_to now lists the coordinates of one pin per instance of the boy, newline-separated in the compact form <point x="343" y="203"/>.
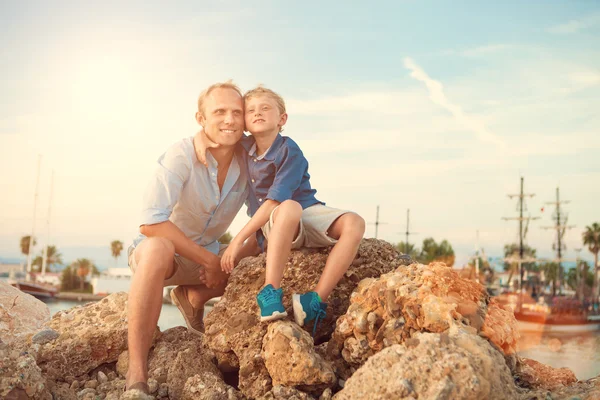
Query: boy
<point x="286" y="213"/>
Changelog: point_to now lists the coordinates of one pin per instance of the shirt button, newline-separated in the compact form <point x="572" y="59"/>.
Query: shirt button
<point x="260" y="200"/>
<point x="255" y="160"/>
<point x="213" y="174"/>
<point x="252" y="180"/>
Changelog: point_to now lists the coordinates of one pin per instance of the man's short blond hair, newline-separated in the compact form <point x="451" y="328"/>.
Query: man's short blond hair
<point x="219" y="85"/>
<point x="263" y="91"/>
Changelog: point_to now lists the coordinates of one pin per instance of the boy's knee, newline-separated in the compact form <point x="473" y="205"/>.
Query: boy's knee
<point x="289" y="209"/>
<point x="355" y="226"/>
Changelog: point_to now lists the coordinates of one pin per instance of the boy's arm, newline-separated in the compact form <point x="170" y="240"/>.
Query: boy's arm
<point x="201" y="144"/>
<point x="260" y="218"/>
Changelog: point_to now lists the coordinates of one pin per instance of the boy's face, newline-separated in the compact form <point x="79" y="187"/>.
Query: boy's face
<point x="223" y="119"/>
<point x="262" y="115"/>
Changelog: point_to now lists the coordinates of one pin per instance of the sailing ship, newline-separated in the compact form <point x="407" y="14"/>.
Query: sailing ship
<point x="562" y="313"/>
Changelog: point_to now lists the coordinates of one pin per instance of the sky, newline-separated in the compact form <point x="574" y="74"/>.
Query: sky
<point x="434" y="106"/>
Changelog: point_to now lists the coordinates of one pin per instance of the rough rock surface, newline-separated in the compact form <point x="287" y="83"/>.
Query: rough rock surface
<point x="582" y="390"/>
<point x="391" y="309"/>
<point x="207" y="386"/>
<point x="279" y="392"/>
<point x="90" y="335"/>
<point x="535" y="375"/>
<point x="20" y="377"/>
<point x="21" y="315"/>
<point x="291" y="360"/>
<point x="233" y="330"/>
<point x="457" y="365"/>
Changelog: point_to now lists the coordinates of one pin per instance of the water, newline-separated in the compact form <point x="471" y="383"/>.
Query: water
<point x="580" y="353"/>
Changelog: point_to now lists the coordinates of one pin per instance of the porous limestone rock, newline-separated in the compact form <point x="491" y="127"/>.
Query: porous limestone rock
<point x="21" y="315"/>
<point x="20" y="377"/>
<point x="90" y="335"/>
<point x="279" y="392"/>
<point x="453" y="365"/>
<point x="418" y="298"/>
<point x="581" y="390"/>
<point x="208" y="386"/>
<point x="289" y="355"/>
<point x="535" y="375"/>
<point x="233" y="330"/>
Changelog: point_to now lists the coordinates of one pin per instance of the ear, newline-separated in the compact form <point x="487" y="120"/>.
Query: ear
<point x="282" y="119"/>
<point x="200" y="118"/>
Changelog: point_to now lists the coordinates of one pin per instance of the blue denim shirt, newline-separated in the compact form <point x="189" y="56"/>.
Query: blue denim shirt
<point x="186" y="192"/>
<point x="280" y="174"/>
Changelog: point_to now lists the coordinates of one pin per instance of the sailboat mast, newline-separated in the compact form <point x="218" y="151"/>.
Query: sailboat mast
<point x="521" y="250"/>
<point x="35" y="200"/>
<point x="45" y="253"/>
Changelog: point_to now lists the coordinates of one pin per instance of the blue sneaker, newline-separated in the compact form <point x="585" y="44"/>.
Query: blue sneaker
<point x="308" y="306"/>
<point x="269" y="301"/>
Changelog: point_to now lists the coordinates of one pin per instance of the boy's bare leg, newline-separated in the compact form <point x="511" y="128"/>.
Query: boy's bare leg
<point x="348" y="230"/>
<point x="286" y="221"/>
<point x="154" y="259"/>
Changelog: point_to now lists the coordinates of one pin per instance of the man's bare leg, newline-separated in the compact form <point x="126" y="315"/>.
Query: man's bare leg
<point x="154" y="259"/>
<point x="286" y="220"/>
<point x="348" y="230"/>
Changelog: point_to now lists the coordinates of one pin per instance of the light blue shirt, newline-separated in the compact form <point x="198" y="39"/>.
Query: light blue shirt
<point x="186" y="192"/>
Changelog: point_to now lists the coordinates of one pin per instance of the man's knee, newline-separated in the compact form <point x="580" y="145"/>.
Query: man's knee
<point x="289" y="210"/>
<point x="156" y="252"/>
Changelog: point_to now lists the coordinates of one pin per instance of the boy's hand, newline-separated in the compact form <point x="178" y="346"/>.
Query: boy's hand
<point x="202" y="143"/>
<point x="230" y="257"/>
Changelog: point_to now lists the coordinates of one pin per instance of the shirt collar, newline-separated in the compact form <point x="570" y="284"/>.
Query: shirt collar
<point x="267" y="155"/>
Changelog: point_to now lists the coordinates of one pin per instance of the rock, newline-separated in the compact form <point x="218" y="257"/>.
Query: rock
<point x="44" y="336"/>
<point x="233" y="330"/>
<point x="163" y="390"/>
<point x="390" y="309"/>
<point x="279" y="392"/>
<point x="91" y="384"/>
<point x="21" y="315"/>
<point x="90" y="335"/>
<point x="458" y="365"/>
<point x="62" y="391"/>
<point x="531" y="374"/>
<point x="122" y="364"/>
<point x="20" y="377"/>
<point x="75" y="385"/>
<point x="135" y="395"/>
<point x="289" y="355"/>
<point x="208" y="386"/>
<point x="581" y="390"/>
<point x="102" y="378"/>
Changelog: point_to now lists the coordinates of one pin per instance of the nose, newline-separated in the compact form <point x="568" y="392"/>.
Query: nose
<point x="229" y="118"/>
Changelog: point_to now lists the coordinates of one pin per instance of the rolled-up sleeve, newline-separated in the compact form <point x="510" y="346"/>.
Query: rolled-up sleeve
<point x="164" y="190"/>
<point x="288" y="176"/>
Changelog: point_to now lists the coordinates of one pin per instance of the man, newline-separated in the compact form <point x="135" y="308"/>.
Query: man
<point x="187" y="207"/>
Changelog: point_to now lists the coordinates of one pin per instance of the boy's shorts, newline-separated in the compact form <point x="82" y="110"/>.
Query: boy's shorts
<point x="187" y="272"/>
<point x="314" y="224"/>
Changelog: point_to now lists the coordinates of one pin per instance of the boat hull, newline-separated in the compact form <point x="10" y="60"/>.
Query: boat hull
<point x="528" y="326"/>
<point x="35" y="290"/>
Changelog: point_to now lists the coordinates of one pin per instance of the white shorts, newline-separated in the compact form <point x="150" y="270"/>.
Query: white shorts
<point x="314" y="224"/>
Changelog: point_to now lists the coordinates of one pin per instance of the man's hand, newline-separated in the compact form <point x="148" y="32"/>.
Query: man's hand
<point x="230" y="257"/>
<point x="212" y="276"/>
<point x="202" y="143"/>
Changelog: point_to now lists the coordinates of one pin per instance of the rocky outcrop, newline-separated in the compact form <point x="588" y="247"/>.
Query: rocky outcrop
<point x="535" y="375"/>
<point x="208" y="386"/>
<point x="233" y="330"/>
<point x="453" y="365"/>
<point x="89" y="336"/>
<point x="21" y="315"/>
<point x="394" y="307"/>
<point x="20" y="377"/>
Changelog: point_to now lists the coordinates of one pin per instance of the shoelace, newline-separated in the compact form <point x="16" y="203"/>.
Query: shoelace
<point x="269" y="297"/>
<point x="320" y="315"/>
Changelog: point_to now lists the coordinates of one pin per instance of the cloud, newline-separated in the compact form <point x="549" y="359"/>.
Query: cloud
<point x="436" y="94"/>
<point x="576" y="25"/>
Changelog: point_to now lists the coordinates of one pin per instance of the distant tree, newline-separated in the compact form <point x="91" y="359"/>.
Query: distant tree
<point x="226" y="238"/>
<point x="82" y="268"/>
<point x="411" y="250"/>
<point x="552" y="271"/>
<point x="25" y="244"/>
<point x="52" y="257"/>
<point x="116" y="246"/>
<point x="486" y="272"/>
<point x="580" y="279"/>
<point x="512" y="251"/>
<point x="591" y="238"/>
<point x="431" y="251"/>
<point x="67" y="279"/>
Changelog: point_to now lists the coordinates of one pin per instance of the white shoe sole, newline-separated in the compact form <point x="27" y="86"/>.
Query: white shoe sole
<point x="274" y="316"/>
<point x="299" y="314"/>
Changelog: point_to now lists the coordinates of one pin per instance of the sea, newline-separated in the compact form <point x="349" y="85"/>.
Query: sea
<point x="580" y="352"/>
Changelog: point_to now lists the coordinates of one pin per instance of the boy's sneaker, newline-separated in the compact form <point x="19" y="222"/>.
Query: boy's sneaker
<point x="308" y="306"/>
<point x="269" y="301"/>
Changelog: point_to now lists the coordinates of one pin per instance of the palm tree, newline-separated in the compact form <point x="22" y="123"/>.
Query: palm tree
<point x="82" y="267"/>
<point x="25" y="240"/>
<point x="512" y="251"/>
<point x="116" y="246"/>
<point x="591" y="238"/>
<point x="431" y="251"/>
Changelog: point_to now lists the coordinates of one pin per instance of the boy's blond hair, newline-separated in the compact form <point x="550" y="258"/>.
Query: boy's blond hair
<point x="263" y="91"/>
<point x="219" y="85"/>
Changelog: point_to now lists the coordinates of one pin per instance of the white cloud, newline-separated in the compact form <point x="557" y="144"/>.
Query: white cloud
<point x="576" y="25"/>
<point x="437" y="95"/>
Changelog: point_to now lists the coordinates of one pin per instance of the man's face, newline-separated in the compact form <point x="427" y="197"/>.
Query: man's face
<point x="262" y="115"/>
<point x="223" y="119"/>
